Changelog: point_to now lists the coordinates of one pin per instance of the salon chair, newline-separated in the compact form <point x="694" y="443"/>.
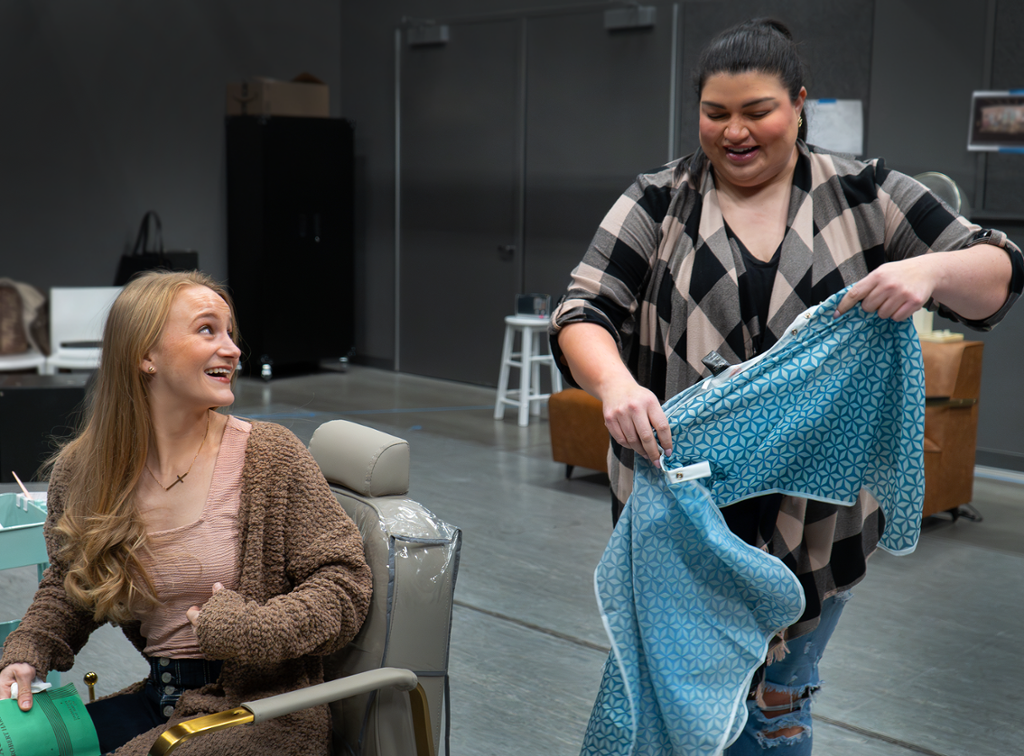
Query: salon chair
<point x="388" y="688"/>
<point x="947" y="190"/>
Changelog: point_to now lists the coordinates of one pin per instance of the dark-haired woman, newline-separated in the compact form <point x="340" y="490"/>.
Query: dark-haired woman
<point x="719" y="251"/>
<point x="215" y="543"/>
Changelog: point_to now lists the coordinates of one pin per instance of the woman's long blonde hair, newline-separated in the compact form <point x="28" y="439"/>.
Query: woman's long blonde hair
<point x="101" y="531"/>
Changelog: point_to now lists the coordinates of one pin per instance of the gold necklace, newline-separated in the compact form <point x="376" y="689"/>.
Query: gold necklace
<point x="181" y="478"/>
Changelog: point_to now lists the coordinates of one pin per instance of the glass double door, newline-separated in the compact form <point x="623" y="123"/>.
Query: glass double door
<point x="515" y="137"/>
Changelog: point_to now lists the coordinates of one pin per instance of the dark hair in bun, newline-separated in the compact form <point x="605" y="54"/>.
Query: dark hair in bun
<point x="761" y="44"/>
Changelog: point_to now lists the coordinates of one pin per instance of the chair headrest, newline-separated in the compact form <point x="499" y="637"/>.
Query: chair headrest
<point x="364" y="460"/>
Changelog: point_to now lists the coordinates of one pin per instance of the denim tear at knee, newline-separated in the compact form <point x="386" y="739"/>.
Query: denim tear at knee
<point x="842" y="597"/>
<point x="797" y="714"/>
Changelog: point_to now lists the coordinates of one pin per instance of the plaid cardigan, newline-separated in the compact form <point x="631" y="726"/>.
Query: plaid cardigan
<point x="664" y="278"/>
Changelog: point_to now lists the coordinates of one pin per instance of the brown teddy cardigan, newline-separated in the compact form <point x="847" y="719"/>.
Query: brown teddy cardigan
<point x="303" y="592"/>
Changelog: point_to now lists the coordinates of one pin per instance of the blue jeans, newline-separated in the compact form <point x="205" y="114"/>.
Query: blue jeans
<point x="796" y="674"/>
<point x="118" y="719"/>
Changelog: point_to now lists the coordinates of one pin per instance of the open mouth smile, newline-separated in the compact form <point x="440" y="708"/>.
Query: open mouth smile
<point x="741" y="154"/>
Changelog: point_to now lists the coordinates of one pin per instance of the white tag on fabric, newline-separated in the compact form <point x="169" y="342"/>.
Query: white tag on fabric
<point x="690" y="472"/>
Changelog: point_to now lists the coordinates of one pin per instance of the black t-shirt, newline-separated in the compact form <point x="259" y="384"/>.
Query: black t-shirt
<point x="753" y="520"/>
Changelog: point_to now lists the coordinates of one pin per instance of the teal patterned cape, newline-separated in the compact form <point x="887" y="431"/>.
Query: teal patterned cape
<point x="835" y="406"/>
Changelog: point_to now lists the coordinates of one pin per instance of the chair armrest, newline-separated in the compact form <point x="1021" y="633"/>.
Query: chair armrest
<point x="296" y="700"/>
<point x="332" y="690"/>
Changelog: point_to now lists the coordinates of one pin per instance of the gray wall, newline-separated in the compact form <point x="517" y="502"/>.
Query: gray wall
<point x="914" y="64"/>
<point x="368" y="97"/>
<point x="838" y="49"/>
<point x="116" y="107"/>
<point x="927" y="59"/>
<point x="835" y="42"/>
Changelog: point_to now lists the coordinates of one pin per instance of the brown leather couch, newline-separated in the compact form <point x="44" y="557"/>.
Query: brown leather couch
<point x="578" y="435"/>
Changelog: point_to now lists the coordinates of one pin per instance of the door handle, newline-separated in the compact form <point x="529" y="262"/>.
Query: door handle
<point x="506" y="252"/>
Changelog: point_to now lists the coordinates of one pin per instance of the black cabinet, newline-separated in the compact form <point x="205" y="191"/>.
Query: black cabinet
<point x="290" y="239"/>
<point x="36" y="413"/>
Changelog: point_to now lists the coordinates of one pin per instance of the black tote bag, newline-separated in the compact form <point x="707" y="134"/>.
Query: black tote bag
<point x="149" y="254"/>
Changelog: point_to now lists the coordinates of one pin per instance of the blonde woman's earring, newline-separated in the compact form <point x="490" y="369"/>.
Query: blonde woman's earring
<point x="152" y="369"/>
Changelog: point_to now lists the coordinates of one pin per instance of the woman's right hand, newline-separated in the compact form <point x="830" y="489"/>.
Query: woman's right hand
<point x="632" y="413"/>
<point x="634" y="417"/>
<point x="23" y="674"/>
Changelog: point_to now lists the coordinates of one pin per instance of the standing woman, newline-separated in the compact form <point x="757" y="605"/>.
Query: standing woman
<point x="719" y="251"/>
<point x="214" y="543"/>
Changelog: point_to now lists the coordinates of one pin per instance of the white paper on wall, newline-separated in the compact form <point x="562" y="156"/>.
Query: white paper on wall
<point x="836" y="125"/>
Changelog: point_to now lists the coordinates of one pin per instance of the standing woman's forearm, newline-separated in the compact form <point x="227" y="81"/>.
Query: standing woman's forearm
<point x="974" y="282"/>
<point x="632" y="413"/>
<point x="593" y="358"/>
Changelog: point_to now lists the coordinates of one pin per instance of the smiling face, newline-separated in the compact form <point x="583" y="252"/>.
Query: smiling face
<point x="748" y="128"/>
<point x="195" y="358"/>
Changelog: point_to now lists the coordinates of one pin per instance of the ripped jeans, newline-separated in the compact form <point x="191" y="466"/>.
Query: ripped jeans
<point x="796" y="674"/>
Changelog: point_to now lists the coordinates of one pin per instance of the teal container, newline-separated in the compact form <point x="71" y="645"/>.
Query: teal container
<point x="21" y="531"/>
<point x="22" y="543"/>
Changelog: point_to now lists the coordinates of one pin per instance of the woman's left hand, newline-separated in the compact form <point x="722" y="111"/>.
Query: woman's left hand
<point x="974" y="283"/>
<point x="193" y="611"/>
<point x="895" y="290"/>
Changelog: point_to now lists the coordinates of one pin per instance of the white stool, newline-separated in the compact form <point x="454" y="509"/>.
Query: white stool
<point x="528" y="359"/>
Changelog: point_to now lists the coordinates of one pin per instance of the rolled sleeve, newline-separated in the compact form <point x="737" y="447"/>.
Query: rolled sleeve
<point x="991" y="237"/>
<point x="918" y="223"/>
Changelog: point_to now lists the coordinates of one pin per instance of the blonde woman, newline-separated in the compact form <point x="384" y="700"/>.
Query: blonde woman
<point x="214" y="543"/>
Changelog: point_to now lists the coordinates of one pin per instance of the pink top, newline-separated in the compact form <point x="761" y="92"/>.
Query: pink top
<point x="184" y="562"/>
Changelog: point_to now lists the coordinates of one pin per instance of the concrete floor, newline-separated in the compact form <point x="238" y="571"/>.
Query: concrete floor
<point x="927" y="659"/>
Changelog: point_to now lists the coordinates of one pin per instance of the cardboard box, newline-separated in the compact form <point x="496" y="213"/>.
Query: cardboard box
<point x="304" y="96"/>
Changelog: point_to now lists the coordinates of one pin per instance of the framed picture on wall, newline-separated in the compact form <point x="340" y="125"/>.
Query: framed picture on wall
<point x="997" y="121"/>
